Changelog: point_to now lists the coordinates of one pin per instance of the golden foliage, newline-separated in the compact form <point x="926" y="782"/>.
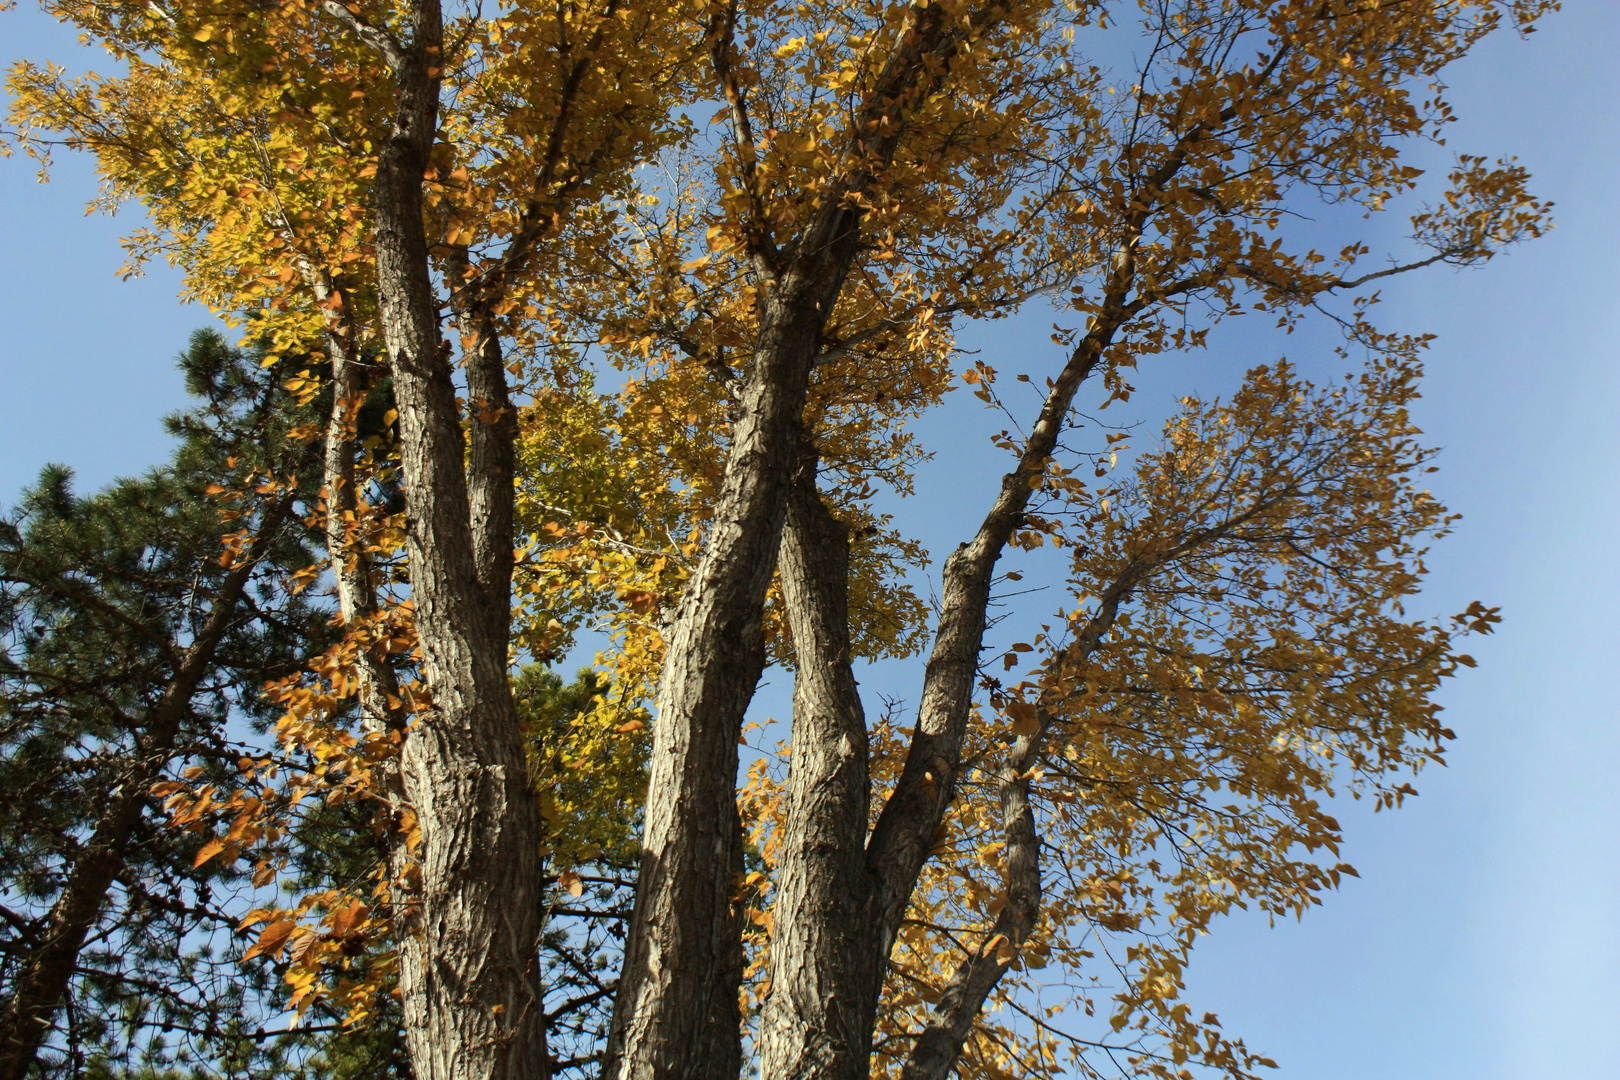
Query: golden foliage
<point x="621" y="182"/>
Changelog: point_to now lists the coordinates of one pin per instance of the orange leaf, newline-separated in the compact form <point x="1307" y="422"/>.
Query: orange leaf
<point x="1024" y="717"/>
<point x="271" y="939"/>
<point x="346" y="919"/>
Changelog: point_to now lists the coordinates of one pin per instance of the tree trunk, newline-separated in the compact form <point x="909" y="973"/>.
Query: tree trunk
<point x="469" y="964"/>
<point x="818" y="1020"/>
<point x="676" y="1013"/>
<point x="492" y="460"/>
<point x="806" y="1031"/>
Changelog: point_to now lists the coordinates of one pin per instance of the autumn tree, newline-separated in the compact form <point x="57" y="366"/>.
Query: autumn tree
<point x="326" y="184"/>
<point x="868" y="193"/>
<point x="779" y="287"/>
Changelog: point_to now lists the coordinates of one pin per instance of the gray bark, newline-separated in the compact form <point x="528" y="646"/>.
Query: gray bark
<point x="676" y="1013"/>
<point x="468" y="972"/>
<point x="804" y="1034"/>
<point x="492" y="457"/>
<point x="819" y="1016"/>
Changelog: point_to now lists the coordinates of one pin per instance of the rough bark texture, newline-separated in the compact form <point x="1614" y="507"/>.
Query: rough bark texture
<point x="676" y="1013"/>
<point x="468" y="972"/>
<point x="841" y="901"/>
<point x="39" y="988"/>
<point x="816" y="1022"/>
<point x="492" y="457"/>
<point x="900" y="841"/>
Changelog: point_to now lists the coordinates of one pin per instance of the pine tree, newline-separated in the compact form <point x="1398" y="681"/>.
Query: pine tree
<point x="137" y="627"/>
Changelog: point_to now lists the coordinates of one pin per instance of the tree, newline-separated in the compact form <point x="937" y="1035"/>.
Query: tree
<point x="139" y="625"/>
<point x="556" y="100"/>
<point x="783" y="295"/>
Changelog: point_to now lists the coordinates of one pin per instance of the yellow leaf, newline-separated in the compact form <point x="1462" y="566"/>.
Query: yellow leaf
<point x="208" y="851"/>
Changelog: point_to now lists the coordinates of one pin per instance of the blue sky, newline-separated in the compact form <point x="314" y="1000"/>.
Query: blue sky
<point x="1480" y="942"/>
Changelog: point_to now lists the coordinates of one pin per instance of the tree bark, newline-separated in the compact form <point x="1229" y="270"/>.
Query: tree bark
<point x="899" y="843"/>
<point x="42" y="983"/>
<point x="469" y="965"/>
<point x="829" y="976"/>
<point x="818" y="1018"/>
<point x="841" y="899"/>
<point x="676" y="1013"/>
<point x="492" y="457"/>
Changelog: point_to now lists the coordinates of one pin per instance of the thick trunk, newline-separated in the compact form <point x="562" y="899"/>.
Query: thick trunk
<point x="676" y="1014"/>
<point x="39" y="988"/>
<point x="468" y="973"/>
<point x="818" y="1020"/>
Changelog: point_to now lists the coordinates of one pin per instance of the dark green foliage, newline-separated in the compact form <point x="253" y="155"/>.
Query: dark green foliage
<point x="584" y="929"/>
<point x="101" y="599"/>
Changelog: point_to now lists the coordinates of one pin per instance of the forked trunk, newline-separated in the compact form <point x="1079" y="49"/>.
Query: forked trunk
<point x="804" y="1028"/>
<point x="473" y="1007"/>
<point x="676" y="1014"/>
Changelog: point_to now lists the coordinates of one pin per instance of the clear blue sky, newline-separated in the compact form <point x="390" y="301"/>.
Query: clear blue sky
<point x="1481" y="941"/>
